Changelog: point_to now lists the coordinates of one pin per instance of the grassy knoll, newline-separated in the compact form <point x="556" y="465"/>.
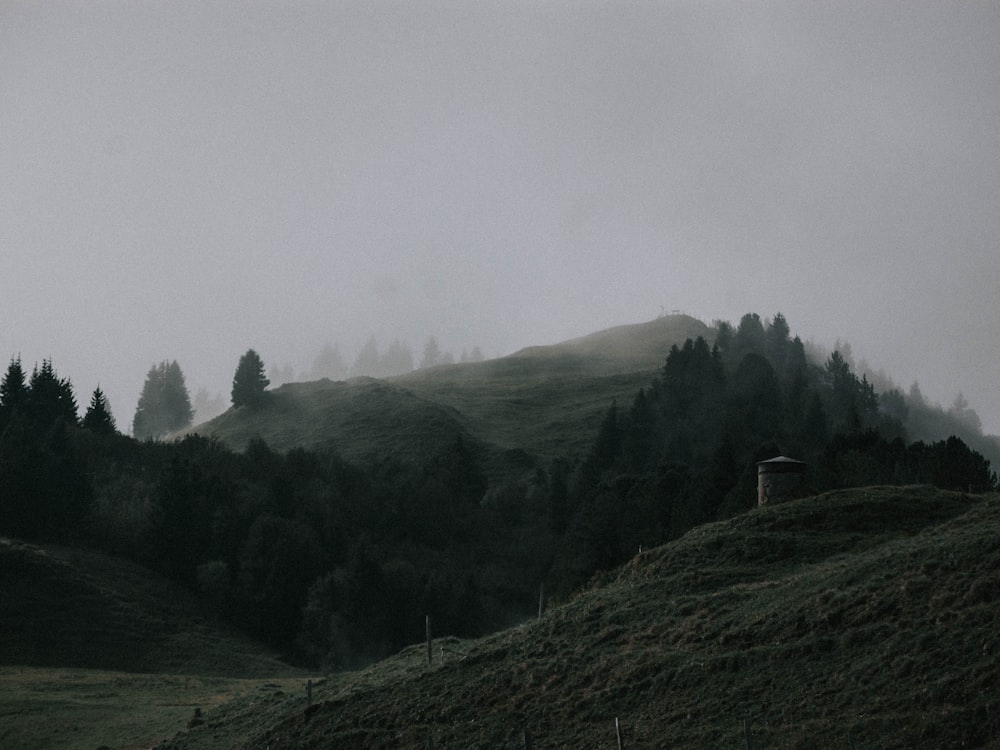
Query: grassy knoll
<point x="865" y="618"/>
<point x="521" y="410"/>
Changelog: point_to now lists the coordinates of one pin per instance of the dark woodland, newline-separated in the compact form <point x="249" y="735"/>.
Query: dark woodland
<point x="334" y="562"/>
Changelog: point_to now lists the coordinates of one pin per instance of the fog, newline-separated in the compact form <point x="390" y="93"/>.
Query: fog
<point x="185" y="180"/>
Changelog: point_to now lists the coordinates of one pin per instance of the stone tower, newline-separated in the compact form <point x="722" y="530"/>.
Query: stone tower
<point x="778" y="479"/>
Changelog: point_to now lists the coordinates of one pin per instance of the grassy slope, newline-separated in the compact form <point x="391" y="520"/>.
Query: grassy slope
<point x="67" y="613"/>
<point x="864" y="618"/>
<point x="73" y="709"/>
<point x="521" y="410"/>
<point x="65" y="607"/>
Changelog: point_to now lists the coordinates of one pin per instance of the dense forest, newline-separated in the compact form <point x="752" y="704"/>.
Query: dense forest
<point x="336" y="563"/>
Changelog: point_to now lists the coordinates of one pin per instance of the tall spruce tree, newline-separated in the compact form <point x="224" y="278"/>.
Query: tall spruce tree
<point x="249" y="382"/>
<point x="98" y="417"/>
<point x="50" y="397"/>
<point x="164" y="405"/>
<point x="14" y="386"/>
<point x="13" y="391"/>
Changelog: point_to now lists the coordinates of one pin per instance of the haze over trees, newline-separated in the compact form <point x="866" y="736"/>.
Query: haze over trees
<point x="329" y="560"/>
<point x="207" y="406"/>
<point x="685" y="451"/>
<point x="328" y="364"/>
<point x="371" y="361"/>
<point x="164" y="406"/>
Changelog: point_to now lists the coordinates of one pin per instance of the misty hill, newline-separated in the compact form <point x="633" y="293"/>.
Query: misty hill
<point x="520" y="410"/>
<point x="857" y="618"/>
<point x="65" y="607"/>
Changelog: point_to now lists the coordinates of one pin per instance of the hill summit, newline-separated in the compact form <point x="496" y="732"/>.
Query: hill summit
<point x="520" y="411"/>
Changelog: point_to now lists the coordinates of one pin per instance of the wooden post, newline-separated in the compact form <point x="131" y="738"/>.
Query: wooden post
<point x="527" y="739"/>
<point x="430" y="653"/>
<point x="541" y="600"/>
<point x="309" y="693"/>
<point x="618" y="731"/>
<point x="746" y="734"/>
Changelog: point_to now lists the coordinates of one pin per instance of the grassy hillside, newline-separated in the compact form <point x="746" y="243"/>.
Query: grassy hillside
<point x="865" y="618"/>
<point x="54" y="708"/>
<point x="63" y="607"/>
<point x="98" y="652"/>
<point x="521" y="410"/>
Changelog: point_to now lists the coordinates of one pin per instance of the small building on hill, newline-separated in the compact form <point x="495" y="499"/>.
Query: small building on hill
<point x="778" y="479"/>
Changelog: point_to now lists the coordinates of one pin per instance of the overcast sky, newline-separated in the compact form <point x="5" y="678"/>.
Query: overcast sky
<point x="185" y="180"/>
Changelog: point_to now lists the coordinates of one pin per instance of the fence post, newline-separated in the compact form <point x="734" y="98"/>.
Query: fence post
<point x="541" y="599"/>
<point x="430" y="653"/>
<point x="618" y="732"/>
<point x="309" y="693"/>
<point x="527" y="739"/>
<point x="746" y="734"/>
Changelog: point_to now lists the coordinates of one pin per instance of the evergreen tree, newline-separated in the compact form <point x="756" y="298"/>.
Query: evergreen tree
<point x="50" y="397"/>
<point x="639" y="436"/>
<point x="249" y="382"/>
<point x="777" y="343"/>
<point x="607" y="447"/>
<point x="368" y="360"/>
<point x="749" y="335"/>
<point x="98" y="417"/>
<point x="755" y="398"/>
<point x="815" y="427"/>
<point x="854" y="402"/>
<point x="44" y="490"/>
<point x="397" y="360"/>
<point x="13" y="391"/>
<point x="164" y="405"/>
<point x="14" y="387"/>
<point x="432" y="354"/>
<point x="329" y="364"/>
<point x="723" y="335"/>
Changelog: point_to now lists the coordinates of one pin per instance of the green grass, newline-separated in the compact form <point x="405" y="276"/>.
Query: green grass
<point x="864" y="618"/>
<point x="99" y="652"/>
<point x="56" y="708"/>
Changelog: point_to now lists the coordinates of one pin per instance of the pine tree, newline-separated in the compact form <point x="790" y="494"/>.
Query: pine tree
<point x="14" y="387"/>
<point x="432" y="354"/>
<point x="98" y="417"/>
<point x="397" y="360"/>
<point x="249" y="382"/>
<point x="328" y="364"/>
<point x="164" y="405"/>
<point x="13" y="392"/>
<point x="367" y="361"/>
<point x="50" y="397"/>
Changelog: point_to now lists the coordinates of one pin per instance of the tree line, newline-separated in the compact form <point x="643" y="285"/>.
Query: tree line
<point x="684" y="452"/>
<point x="335" y="563"/>
<point x="371" y="361"/>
